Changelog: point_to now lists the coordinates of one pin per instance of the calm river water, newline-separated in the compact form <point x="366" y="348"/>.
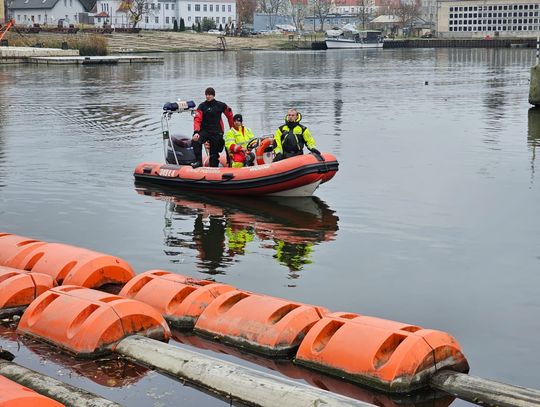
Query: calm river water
<point x="432" y="219"/>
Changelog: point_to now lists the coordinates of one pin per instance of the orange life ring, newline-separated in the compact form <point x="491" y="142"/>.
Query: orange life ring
<point x="260" y="150"/>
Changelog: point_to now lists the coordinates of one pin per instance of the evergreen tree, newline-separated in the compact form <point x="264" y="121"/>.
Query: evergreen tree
<point x="175" y="25"/>
<point x="182" y="25"/>
<point x="193" y="27"/>
<point x="220" y="27"/>
<point x="199" y="28"/>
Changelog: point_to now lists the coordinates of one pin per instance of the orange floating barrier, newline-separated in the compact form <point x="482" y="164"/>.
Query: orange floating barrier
<point x="388" y="355"/>
<point x="19" y="288"/>
<point x="86" y="322"/>
<point x="73" y="265"/>
<point x="180" y="299"/>
<point x="267" y="325"/>
<point x="11" y="245"/>
<point x="14" y="395"/>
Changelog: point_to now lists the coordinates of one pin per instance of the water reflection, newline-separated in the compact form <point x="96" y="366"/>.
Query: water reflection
<point x="533" y="135"/>
<point x="110" y="370"/>
<point x="225" y="227"/>
<point x="427" y="398"/>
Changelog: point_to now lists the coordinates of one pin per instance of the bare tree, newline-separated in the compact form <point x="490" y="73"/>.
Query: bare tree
<point x="136" y="10"/>
<point x="272" y="8"/>
<point x="299" y="12"/>
<point x="386" y="7"/>
<point x="365" y="12"/>
<point x="245" y="10"/>
<point x="321" y="9"/>
<point x="407" y="13"/>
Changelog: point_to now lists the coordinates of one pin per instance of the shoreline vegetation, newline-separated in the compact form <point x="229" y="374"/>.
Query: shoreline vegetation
<point x="90" y="44"/>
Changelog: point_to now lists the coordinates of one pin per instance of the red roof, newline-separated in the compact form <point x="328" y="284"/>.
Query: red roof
<point x="102" y="14"/>
<point x="346" y="3"/>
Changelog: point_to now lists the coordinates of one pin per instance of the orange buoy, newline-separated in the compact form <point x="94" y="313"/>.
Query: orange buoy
<point x="180" y="299"/>
<point x="267" y="325"/>
<point x="19" y="288"/>
<point x="11" y="245"/>
<point x="85" y="321"/>
<point x="260" y="153"/>
<point x="73" y="265"/>
<point x="388" y="355"/>
<point x="15" y="395"/>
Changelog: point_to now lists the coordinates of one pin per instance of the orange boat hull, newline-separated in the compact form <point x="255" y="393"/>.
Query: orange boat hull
<point x="296" y="176"/>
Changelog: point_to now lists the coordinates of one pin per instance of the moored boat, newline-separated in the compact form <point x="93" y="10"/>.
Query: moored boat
<point x="348" y="37"/>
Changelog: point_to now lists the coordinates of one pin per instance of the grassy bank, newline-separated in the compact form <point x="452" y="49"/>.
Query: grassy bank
<point x="87" y="44"/>
<point x="157" y="41"/>
<point x="169" y="41"/>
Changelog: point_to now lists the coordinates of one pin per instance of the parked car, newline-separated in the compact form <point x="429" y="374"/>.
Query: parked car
<point x="216" y="32"/>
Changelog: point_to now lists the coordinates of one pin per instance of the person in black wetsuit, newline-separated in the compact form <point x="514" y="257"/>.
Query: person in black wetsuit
<point x="208" y="126"/>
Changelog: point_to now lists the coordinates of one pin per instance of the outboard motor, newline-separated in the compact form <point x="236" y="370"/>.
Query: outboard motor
<point x="182" y="148"/>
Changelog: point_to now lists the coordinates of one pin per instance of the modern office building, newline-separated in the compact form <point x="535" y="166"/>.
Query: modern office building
<point x="488" y="18"/>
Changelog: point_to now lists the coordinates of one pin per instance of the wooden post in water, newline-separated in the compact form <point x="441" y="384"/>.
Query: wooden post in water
<point x="484" y="392"/>
<point x="50" y="387"/>
<point x="534" y="87"/>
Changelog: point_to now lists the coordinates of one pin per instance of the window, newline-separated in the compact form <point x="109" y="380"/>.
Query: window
<point x="159" y="6"/>
<point x="39" y="18"/>
<point x="211" y="7"/>
<point x="197" y="7"/>
<point x="197" y="19"/>
<point x="70" y="3"/>
<point x="166" y="6"/>
<point x="172" y="6"/>
<point x="217" y="8"/>
<point x="166" y="20"/>
<point x="189" y="18"/>
<point x="205" y="8"/>
<point x="157" y="20"/>
<point x="229" y="7"/>
<point x="223" y="7"/>
<point x="65" y="3"/>
<point x="189" y="7"/>
<point x="146" y="19"/>
<point x="223" y="19"/>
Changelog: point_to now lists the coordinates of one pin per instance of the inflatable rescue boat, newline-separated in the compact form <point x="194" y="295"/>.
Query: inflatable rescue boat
<point x="296" y="176"/>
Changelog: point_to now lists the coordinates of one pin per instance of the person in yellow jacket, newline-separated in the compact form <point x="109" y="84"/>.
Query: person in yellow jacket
<point x="291" y="137"/>
<point x="236" y="140"/>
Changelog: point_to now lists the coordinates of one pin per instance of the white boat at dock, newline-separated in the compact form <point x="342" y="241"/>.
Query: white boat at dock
<point x="349" y="37"/>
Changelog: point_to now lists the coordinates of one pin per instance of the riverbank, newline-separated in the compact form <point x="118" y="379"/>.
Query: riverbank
<point x="167" y="41"/>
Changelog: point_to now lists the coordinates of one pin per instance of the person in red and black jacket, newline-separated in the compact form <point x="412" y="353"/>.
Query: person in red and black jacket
<point x="208" y="126"/>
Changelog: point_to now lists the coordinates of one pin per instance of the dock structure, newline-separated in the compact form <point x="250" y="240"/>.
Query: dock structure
<point x="56" y="56"/>
<point x="95" y="60"/>
<point x="27" y="52"/>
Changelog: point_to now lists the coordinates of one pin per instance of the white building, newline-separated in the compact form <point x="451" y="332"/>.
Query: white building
<point x="222" y="11"/>
<point x="159" y="15"/>
<point x="50" y="12"/>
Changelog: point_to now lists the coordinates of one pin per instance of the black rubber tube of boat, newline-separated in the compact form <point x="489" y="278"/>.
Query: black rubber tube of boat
<point x="484" y="392"/>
